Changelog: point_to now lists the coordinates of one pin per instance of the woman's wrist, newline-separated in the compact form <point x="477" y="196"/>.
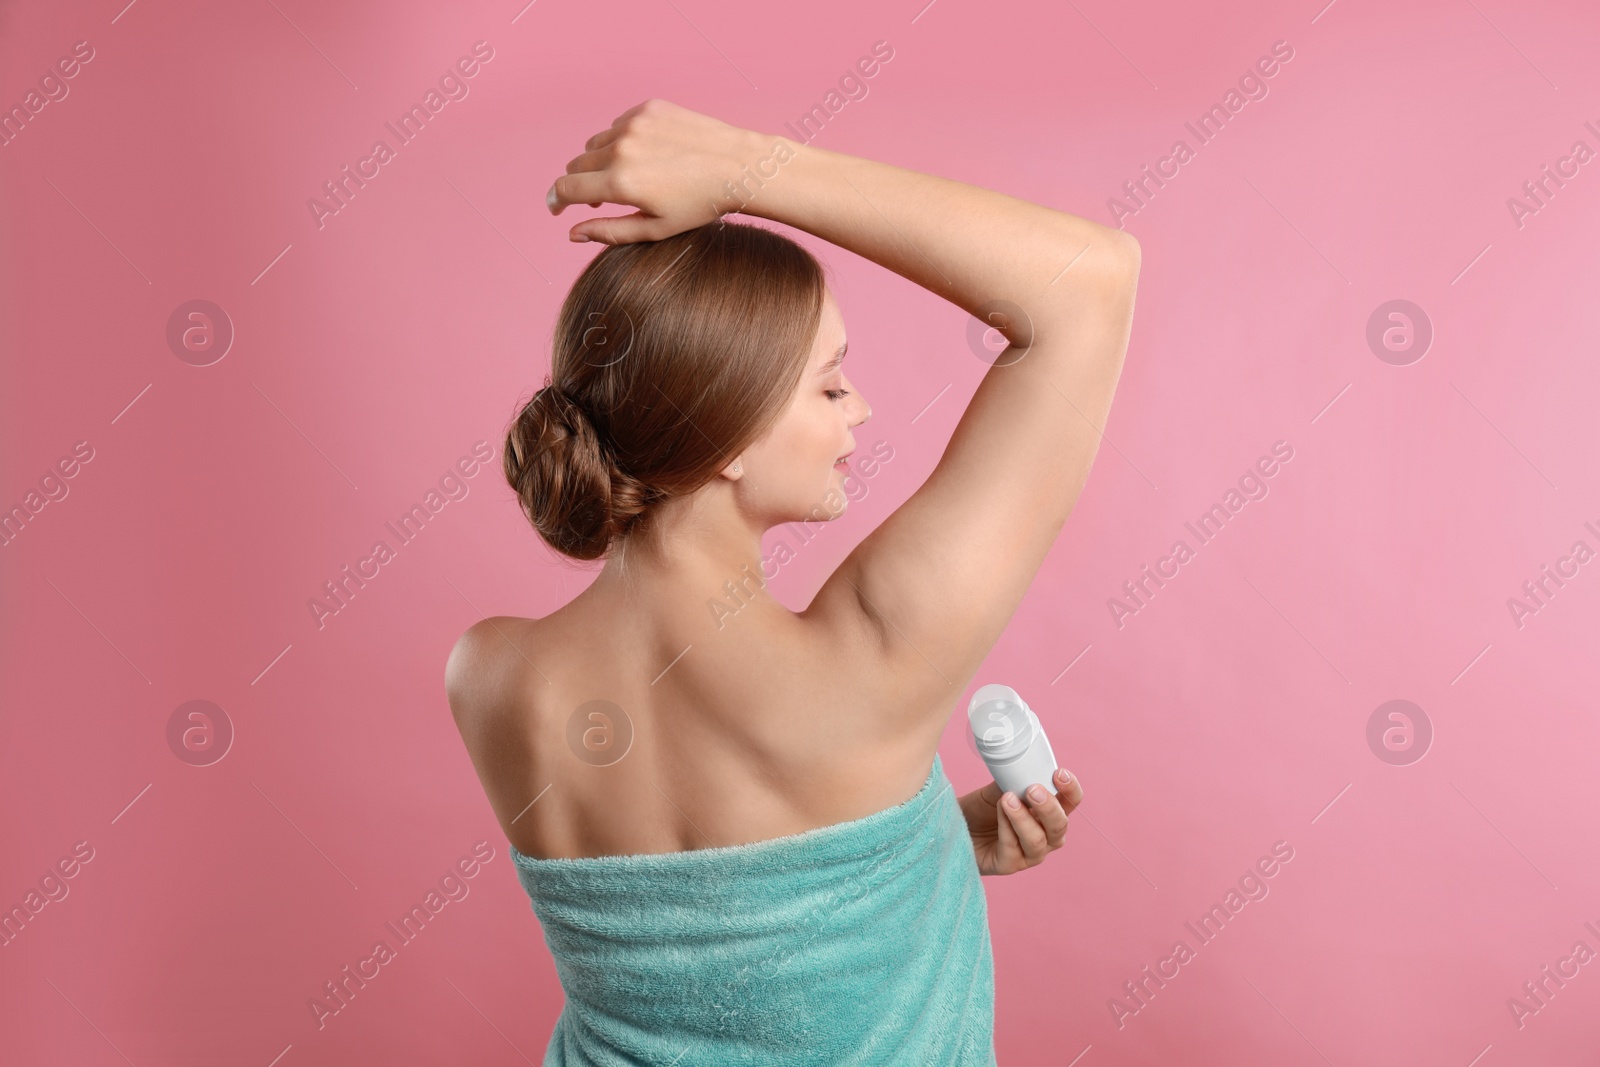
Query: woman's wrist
<point x="766" y="158"/>
<point x="811" y="189"/>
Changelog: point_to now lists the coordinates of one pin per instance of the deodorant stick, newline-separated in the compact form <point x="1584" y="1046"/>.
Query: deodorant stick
<point x="1010" y="740"/>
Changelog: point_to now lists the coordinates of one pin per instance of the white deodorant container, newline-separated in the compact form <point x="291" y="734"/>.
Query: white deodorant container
<point x="1010" y="740"/>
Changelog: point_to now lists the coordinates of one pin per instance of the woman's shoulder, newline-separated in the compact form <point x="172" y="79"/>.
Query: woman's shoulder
<point x="483" y="665"/>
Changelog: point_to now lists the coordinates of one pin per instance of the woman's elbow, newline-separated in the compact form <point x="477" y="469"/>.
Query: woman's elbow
<point x="1128" y="252"/>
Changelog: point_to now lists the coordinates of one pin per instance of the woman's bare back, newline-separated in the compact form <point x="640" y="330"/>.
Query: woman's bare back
<point x="608" y="728"/>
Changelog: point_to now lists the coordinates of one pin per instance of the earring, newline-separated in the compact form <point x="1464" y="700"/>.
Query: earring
<point x="736" y="468"/>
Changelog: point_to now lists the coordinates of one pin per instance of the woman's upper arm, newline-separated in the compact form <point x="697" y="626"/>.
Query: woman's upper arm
<point x="941" y="577"/>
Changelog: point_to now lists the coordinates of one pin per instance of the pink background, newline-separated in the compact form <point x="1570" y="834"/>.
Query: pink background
<point x="1229" y="714"/>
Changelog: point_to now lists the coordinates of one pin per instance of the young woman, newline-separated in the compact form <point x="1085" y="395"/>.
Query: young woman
<point x="730" y="817"/>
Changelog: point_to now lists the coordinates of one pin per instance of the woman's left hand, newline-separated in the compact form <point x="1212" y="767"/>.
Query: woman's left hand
<point x="1005" y="839"/>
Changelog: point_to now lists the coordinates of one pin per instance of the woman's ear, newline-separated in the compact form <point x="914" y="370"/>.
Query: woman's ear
<point x="734" y="470"/>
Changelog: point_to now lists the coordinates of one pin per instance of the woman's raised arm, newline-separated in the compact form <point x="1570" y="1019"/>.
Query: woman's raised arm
<point x="940" y="578"/>
<point x="937" y="582"/>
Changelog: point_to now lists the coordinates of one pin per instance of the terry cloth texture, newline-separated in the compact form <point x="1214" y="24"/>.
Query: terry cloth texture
<point x="865" y="942"/>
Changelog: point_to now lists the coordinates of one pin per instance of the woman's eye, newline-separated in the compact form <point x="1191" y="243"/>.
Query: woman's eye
<point x="837" y="394"/>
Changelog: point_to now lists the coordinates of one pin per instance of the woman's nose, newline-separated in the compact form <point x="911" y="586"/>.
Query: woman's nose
<point x="862" y="411"/>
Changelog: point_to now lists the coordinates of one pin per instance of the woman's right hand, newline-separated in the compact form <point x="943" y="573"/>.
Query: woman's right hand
<point x="671" y="163"/>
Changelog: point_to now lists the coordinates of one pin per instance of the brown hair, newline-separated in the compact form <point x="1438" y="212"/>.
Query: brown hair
<point x="669" y="358"/>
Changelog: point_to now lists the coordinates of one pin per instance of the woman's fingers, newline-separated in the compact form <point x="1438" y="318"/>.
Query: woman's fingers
<point x="1069" y="791"/>
<point x="598" y="159"/>
<point x="1051" y="815"/>
<point x="587" y="187"/>
<point x="1037" y="825"/>
<point x="1031" y="837"/>
<point x="592" y="179"/>
<point x="623" y="229"/>
<point x="610" y="133"/>
<point x="1008" y="853"/>
<point x="618" y="122"/>
<point x="603" y="138"/>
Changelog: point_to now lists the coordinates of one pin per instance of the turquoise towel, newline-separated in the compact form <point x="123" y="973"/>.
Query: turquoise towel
<point x="865" y="942"/>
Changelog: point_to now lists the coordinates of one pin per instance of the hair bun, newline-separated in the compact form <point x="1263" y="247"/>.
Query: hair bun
<point x="563" y="407"/>
<point x="566" y="477"/>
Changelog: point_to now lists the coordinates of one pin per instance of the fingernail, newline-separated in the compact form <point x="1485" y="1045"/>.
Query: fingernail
<point x="1064" y="776"/>
<point x="580" y="237"/>
<point x="1012" y="802"/>
<point x="1037" y="794"/>
<point x="550" y="198"/>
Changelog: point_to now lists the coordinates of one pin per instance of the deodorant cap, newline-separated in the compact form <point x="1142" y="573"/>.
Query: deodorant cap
<point x="1003" y="726"/>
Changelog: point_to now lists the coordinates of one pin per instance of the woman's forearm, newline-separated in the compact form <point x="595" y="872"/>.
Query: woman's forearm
<point x="970" y="245"/>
